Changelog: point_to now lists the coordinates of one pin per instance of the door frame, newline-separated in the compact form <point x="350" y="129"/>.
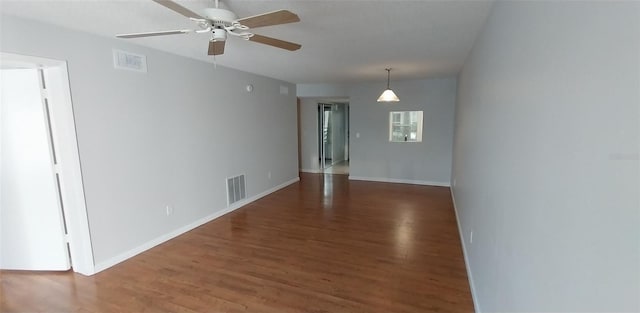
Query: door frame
<point x="63" y="133"/>
<point x="322" y="158"/>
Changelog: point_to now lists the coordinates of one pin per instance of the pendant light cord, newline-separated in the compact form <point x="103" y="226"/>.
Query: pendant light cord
<point x="388" y="76"/>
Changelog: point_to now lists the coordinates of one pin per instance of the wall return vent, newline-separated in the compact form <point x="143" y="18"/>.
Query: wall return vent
<point x="236" y="189"/>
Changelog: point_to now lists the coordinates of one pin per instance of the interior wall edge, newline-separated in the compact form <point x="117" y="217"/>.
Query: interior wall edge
<point x="472" y="286"/>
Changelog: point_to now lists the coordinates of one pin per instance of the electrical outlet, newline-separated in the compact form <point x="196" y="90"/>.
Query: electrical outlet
<point x="169" y="210"/>
<point x="471" y="237"/>
<point x="454" y="182"/>
<point x="269" y="174"/>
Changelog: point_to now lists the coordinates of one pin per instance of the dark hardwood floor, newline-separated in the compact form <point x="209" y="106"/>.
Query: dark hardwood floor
<point x="325" y="244"/>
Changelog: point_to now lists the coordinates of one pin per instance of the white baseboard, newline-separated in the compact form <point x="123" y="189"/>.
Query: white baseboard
<point x="310" y="170"/>
<point x="152" y="243"/>
<point x="401" y="181"/>
<point x="476" y="305"/>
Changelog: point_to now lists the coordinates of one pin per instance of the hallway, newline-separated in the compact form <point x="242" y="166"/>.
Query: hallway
<point x="340" y="168"/>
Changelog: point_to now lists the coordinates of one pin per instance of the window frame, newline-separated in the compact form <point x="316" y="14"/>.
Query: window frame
<point x="396" y="123"/>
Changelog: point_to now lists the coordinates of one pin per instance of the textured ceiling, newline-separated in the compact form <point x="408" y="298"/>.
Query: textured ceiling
<point x="342" y="41"/>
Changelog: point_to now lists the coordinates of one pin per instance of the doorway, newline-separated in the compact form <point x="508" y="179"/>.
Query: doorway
<point x="333" y="138"/>
<point x="43" y="218"/>
<point x="325" y="133"/>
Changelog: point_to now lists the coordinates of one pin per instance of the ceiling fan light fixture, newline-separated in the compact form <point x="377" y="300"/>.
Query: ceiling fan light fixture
<point x="388" y="95"/>
<point x="219" y="34"/>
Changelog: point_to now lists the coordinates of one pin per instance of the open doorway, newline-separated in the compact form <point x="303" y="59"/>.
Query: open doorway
<point x="323" y="135"/>
<point x="333" y="138"/>
<point x="43" y="218"/>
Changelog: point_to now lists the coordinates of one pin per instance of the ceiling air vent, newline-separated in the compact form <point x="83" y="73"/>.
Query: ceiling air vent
<point x="236" y="189"/>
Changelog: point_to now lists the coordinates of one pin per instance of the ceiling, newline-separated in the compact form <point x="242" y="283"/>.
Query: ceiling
<point x="342" y="41"/>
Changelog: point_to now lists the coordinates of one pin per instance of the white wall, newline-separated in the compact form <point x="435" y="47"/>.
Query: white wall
<point x="374" y="157"/>
<point x="168" y="137"/>
<point x="546" y="158"/>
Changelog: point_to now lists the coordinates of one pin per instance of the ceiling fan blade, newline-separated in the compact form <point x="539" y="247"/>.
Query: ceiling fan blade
<point x="275" y="42"/>
<point x="178" y="8"/>
<point x="216" y="47"/>
<point x="268" y="19"/>
<point x="151" y="34"/>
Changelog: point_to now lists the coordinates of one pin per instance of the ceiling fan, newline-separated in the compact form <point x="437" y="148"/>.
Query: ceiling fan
<point x="221" y="22"/>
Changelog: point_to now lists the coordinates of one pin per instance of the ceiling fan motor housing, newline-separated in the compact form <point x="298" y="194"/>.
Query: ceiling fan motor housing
<point x="220" y="17"/>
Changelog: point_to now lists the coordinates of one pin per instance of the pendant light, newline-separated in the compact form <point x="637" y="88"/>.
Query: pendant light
<point x="388" y="95"/>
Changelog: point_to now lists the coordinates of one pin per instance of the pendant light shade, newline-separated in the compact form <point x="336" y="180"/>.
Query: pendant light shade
<point x="388" y="95"/>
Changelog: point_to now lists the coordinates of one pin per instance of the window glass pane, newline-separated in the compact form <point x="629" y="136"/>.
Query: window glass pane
<point x="396" y="117"/>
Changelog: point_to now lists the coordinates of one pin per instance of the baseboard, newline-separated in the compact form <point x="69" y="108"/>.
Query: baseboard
<point x="310" y="170"/>
<point x="159" y="240"/>
<point x="476" y="305"/>
<point x="401" y="181"/>
<point x="152" y="243"/>
<point x="244" y="202"/>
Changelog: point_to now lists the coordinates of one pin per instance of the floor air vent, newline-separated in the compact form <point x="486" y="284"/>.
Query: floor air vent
<point x="235" y="189"/>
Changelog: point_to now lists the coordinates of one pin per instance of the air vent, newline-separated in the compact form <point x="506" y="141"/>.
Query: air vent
<point x="123" y="60"/>
<point x="236" y="189"/>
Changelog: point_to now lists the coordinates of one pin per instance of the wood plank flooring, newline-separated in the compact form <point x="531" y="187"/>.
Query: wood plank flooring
<point x="325" y="244"/>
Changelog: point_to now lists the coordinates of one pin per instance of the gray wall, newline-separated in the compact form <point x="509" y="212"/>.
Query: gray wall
<point x="546" y="171"/>
<point x="323" y="90"/>
<point x="374" y="157"/>
<point x="339" y="130"/>
<point x="168" y="137"/>
<point x="309" y="135"/>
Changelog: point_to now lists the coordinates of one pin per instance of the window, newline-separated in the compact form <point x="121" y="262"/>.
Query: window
<point x="405" y="126"/>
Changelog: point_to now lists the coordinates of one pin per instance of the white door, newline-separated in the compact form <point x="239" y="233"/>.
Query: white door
<point x="32" y="231"/>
